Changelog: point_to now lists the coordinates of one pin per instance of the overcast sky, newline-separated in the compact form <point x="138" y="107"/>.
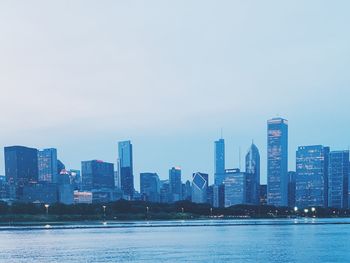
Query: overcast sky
<point x="168" y="75"/>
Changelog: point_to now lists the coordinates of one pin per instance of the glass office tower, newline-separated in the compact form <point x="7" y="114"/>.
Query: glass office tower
<point x="200" y="188"/>
<point x="175" y="184"/>
<point x="311" y="176"/>
<point x="48" y="165"/>
<point x="338" y="179"/>
<point x="126" y="168"/>
<point x="252" y="168"/>
<point x="150" y="187"/>
<point x="97" y="175"/>
<point x="277" y="162"/>
<point x="219" y="162"/>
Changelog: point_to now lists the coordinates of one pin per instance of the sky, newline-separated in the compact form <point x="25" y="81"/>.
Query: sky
<point x="169" y="75"/>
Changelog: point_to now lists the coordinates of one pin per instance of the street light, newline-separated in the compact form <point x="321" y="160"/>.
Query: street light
<point x="295" y="209"/>
<point x="182" y="209"/>
<point x="211" y="211"/>
<point x="313" y="209"/>
<point x="47" y="209"/>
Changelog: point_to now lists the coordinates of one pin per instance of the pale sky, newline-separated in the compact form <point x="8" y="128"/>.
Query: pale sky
<point x="168" y="75"/>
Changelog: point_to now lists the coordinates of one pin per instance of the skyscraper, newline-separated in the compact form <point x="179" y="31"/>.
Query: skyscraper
<point x="21" y="167"/>
<point x="252" y="168"/>
<point x="219" y="161"/>
<point x="235" y="185"/>
<point x="47" y="165"/>
<point x="199" y="188"/>
<point x="175" y="184"/>
<point x="338" y="179"/>
<point x="150" y="187"/>
<point x="97" y="174"/>
<point x="126" y="168"/>
<point x="311" y="176"/>
<point x="277" y="162"/>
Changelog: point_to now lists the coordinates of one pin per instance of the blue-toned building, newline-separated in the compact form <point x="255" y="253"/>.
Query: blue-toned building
<point x="21" y="167"/>
<point x="252" y="168"/>
<point x="175" y="184"/>
<point x="164" y="191"/>
<point x="277" y="162"/>
<point x="48" y="165"/>
<point x="219" y="161"/>
<point x="291" y="188"/>
<point x="338" y="179"/>
<point x="43" y="193"/>
<point x="126" y="173"/>
<point x="200" y="188"/>
<point x="97" y="174"/>
<point x="311" y="176"/>
<point x="150" y="187"/>
<point x="235" y="184"/>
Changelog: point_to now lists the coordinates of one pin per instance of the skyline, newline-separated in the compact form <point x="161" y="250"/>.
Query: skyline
<point x="263" y="179"/>
<point x="169" y="77"/>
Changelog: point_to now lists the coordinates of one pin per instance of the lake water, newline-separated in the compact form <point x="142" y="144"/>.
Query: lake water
<point x="289" y="240"/>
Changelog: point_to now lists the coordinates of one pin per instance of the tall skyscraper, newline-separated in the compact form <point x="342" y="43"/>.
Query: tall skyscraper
<point x="235" y="185"/>
<point x="252" y="168"/>
<point x="338" y="179"/>
<point x="219" y="162"/>
<point x="175" y="184"/>
<point x="21" y="167"/>
<point x="199" y="188"/>
<point x="47" y="165"/>
<point x="150" y="187"/>
<point x="311" y="176"/>
<point x="277" y="162"/>
<point x="97" y="174"/>
<point x="126" y="168"/>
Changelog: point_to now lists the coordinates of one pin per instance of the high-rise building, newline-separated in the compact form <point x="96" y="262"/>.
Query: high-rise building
<point x="199" y="188"/>
<point x="219" y="161"/>
<point x="126" y="168"/>
<point x="187" y="191"/>
<point x="21" y="167"/>
<point x="252" y="168"/>
<point x="164" y="191"/>
<point x="150" y="187"/>
<point x="235" y="185"/>
<point x="338" y="179"/>
<point x="311" y="176"/>
<point x="219" y="195"/>
<point x="97" y="174"/>
<point x="277" y="162"/>
<point x="175" y="184"/>
<point x="291" y="188"/>
<point x="47" y="165"/>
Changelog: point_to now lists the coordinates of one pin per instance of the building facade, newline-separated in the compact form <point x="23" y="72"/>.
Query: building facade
<point x="235" y="189"/>
<point x="126" y="173"/>
<point x="97" y="174"/>
<point x="175" y="184"/>
<point x="277" y="162"/>
<point x="338" y="179"/>
<point x="150" y="187"/>
<point x="311" y="176"/>
<point x="47" y="165"/>
<point x="219" y="161"/>
<point x="200" y="188"/>
<point x="252" y="168"/>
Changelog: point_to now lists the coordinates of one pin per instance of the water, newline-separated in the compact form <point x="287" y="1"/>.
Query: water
<point x="302" y="240"/>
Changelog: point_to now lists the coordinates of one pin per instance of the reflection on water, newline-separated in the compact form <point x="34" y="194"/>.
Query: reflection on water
<point x="293" y="240"/>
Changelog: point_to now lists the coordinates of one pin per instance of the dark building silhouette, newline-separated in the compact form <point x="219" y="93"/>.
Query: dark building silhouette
<point x="97" y="174"/>
<point x="126" y="168"/>
<point x="150" y="187"/>
<point x="21" y="167"/>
